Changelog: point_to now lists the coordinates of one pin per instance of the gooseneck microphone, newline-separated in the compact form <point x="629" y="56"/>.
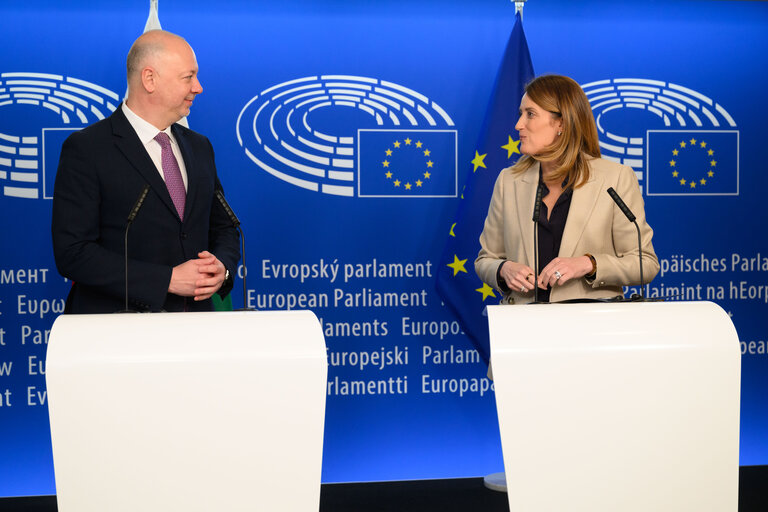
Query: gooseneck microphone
<point x="536" y="213"/>
<point x="235" y="222"/>
<point x="131" y="217"/>
<point x="626" y="211"/>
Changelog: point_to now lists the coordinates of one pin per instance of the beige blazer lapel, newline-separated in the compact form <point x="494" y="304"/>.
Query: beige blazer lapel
<point x="525" y="196"/>
<point x="582" y="204"/>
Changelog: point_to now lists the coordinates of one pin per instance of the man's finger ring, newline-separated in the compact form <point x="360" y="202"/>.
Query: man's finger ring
<point x="558" y="275"/>
<point x="522" y="289"/>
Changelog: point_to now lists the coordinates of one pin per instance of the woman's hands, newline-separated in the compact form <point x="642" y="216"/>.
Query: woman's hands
<point x="520" y="277"/>
<point x="561" y="270"/>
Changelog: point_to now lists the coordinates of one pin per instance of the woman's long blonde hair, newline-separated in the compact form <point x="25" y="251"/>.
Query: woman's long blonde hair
<point x="578" y="142"/>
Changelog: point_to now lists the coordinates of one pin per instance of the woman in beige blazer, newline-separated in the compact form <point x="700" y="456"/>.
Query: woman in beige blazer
<point x="587" y="246"/>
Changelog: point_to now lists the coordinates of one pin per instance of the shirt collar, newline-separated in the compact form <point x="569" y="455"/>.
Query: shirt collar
<point x="144" y="129"/>
<point x="567" y="191"/>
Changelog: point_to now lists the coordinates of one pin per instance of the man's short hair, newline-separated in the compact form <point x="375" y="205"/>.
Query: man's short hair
<point x="138" y="54"/>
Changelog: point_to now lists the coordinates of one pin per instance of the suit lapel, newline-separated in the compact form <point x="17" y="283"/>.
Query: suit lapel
<point x="582" y="204"/>
<point x="525" y="196"/>
<point x="134" y="151"/>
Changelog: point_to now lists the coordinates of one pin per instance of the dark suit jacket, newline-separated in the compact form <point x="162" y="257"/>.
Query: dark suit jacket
<point x="102" y="171"/>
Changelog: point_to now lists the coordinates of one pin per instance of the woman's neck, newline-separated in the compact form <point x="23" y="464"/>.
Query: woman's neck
<point x="547" y="170"/>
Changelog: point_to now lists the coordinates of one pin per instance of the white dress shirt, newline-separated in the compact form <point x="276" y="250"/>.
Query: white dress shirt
<point x="147" y="133"/>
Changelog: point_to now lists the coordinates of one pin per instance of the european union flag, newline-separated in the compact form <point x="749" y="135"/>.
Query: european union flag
<point x="407" y="163"/>
<point x="701" y="162"/>
<point x="497" y="148"/>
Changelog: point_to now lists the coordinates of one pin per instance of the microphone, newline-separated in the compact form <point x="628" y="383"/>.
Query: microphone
<point x="232" y="217"/>
<point x="536" y="213"/>
<point x="236" y="223"/>
<point x="537" y="204"/>
<point x="137" y="206"/>
<point x="131" y="217"/>
<point x="631" y="217"/>
<point x="622" y="205"/>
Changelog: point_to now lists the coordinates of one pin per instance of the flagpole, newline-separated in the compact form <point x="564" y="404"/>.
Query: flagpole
<point x="498" y="481"/>
<point x="457" y="282"/>
<point x="519" y="4"/>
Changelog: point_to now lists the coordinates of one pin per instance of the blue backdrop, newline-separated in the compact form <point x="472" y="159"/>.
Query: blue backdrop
<point x="303" y="99"/>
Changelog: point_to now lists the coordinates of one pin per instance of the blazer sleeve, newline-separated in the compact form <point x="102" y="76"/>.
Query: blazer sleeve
<point x="223" y="236"/>
<point x="224" y="241"/>
<point x="622" y="267"/>
<point x="492" y="250"/>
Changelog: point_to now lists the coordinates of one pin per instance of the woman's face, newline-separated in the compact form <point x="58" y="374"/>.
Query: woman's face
<point x="537" y="127"/>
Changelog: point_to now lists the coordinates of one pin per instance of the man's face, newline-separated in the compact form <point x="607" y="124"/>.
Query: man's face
<point x="176" y="83"/>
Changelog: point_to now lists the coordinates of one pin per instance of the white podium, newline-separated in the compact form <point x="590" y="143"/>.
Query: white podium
<point x="187" y="411"/>
<point x="618" y="407"/>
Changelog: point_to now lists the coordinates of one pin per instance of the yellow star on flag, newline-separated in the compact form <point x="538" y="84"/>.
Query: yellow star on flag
<point x="457" y="265"/>
<point x="675" y="152"/>
<point x="693" y="142"/>
<point x="672" y="163"/>
<point x="385" y="163"/>
<point x="674" y="174"/>
<point x="408" y="186"/>
<point x="682" y="144"/>
<point x="407" y="142"/>
<point x="703" y="181"/>
<point x="711" y="173"/>
<point x="713" y="163"/>
<point x="388" y="174"/>
<point x="682" y="181"/>
<point x="711" y="152"/>
<point x="487" y="291"/>
<point x="478" y="161"/>
<point x="397" y="183"/>
<point x="703" y="144"/>
<point x="451" y="231"/>
<point x="388" y="152"/>
<point x="511" y="147"/>
<point x="693" y="184"/>
<point x="419" y="183"/>
<point x="426" y="152"/>
<point x="430" y="163"/>
<point x="418" y="143"/>
<point x="427" y="175"/>
<point x="397" y="144"/>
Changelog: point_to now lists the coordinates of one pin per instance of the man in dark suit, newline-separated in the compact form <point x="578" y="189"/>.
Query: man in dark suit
<point x="182" y="246"/>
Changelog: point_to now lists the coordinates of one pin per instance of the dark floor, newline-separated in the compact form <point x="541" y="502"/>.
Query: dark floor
<point x="459" y="495"/>
<point x="456" y="495"/>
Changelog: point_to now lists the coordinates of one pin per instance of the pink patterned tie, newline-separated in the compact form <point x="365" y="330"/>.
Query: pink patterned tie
<point x="172" y="174"/>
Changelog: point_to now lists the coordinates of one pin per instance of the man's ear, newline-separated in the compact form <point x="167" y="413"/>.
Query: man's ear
<point x="149" y="79"/>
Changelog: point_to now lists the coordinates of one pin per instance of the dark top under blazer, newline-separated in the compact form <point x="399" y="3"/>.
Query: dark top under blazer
<point x="102" y="170"/>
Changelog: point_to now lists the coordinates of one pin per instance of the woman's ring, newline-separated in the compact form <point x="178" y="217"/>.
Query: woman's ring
<point x="558" y="275"/>
<point x="522" y="289"/>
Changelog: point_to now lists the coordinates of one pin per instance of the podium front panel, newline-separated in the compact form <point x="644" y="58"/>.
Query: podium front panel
<point x="629" y="406"/>
<point x="187" y="411"/>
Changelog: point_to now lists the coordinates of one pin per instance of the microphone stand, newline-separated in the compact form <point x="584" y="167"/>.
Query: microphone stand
<point x="631" y="217"/>
<point x="536" y="213"/>
<point x="236" y="223"/>
<point x="131" y="217"/>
